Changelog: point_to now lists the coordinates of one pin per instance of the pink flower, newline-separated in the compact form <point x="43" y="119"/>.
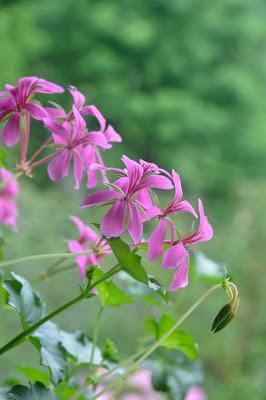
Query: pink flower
<point x="175" y="206"/>
<point x="88" y="240"/>
<point x="92" y="153"/>
<point x="17" y="102"/>
<point x="195" y="393"/>
<point x="177" y="254"/>
<point x="8" y="209"/>
<point x="71" y="139"/>
<point x="129" y="198"/>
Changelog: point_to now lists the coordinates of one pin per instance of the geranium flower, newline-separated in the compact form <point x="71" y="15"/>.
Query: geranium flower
<point x="175" y="206"/>
<point x="8" y="208"/>
<point x="195" y="393"/>
<point x="177" y="254"/>
<point x="71" y="139"/>
<point x="88" y="240"/>
<point x="17" y="102"/>
<point x="128" y="198"/>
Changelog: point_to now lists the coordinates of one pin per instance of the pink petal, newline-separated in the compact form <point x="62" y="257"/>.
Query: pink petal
<point x="79" y="124"/>
<point x="92" y="178"/>
<point x="57" y="128"/>
<point x="195" y="393"/>
<point x="12" y="188"/>
<point x="111" y="135"/>
<point x="98" y="138"/>
<point x="178" y="186"/>
<point x="173" y="256"/>
<point x="79" y="99"/>
<point x="86" y="234"/>
<point x="156" y="240"/>
<point x="99" y="198"/>
<point x="58" y="168"/>
<point x="156" y="182"/>
<point x="92" y="110"/>
<point x="78" y="167"/>
<point x="204" y="231"/>
<point x="75" y="247"/>
<point x="55" y="113"/>
<point x="8" y="212"/>
<point x="135" y="227"/>
<point x="185" y="206"/>
<point x="113" y="222"/>
<point x="134" y="170"/>
<point x="144" y="199"/>
<point x="36" y="111"/>
<point x="181" y="276"/>
<point x="43" y="86"/>
<point x="11" y="132"/>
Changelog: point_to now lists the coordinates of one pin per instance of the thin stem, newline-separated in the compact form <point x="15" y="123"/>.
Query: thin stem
<point x="38" y="151"/>
<point x="43" y="257"/>
<point x="15" y="341"/>
<point x="95" y="334"/>
<point x="12" y="178"/>
<point x="47" y="275"/>
<point x="25" y="138"/>
<point x="42" y="161"/>
<point x="158" y="343"/>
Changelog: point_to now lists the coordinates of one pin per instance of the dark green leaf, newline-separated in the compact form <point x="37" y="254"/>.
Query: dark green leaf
<point x="128" y="261"/>
<point x="34" y="392"/>
<point x="34" y="375"/>
<point x="155" y="285"/>
<point x="21" y="296"/>
<point x="177" y="340"/>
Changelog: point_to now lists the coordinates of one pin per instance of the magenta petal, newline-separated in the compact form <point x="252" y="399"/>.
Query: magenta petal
<point x="99" y="198"/>
<point x="12" y="188"/>
<point x="98" y="138"/>
<point x="11" y="132"/>
<point x="135" y="226"/>
<point x="178" y="186"/>
<point x="56" y="128"/>
<point x="111" y="135"/>
<point x="58" y="168"/>
<point x="173" y="256"/>
<point x="156" y="182"/>
<point x="36" y="111"/>
<point x="78" y="97"/>
<point x="86" y="234"/>
<point x="113" y="222"/>
<point x="78" y="167"/>
<point x="185" y="206"/>
<point x="144" y="199"/>
<point x="8" y="212"/>
<point x="181" y="276"/>
<point x="43" y="86"/>
<point x="55" y="113"/>
<point x="92" y="110"/>
<point x="156" y="240"/>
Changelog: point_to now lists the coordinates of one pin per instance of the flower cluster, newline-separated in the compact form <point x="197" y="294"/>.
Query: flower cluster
<point x="8" y="208"/>
<point x="130" y="198"/>
<point x="69" y="137"/>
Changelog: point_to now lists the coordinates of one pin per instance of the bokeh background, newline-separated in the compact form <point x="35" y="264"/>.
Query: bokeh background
<point x="184" y="82"/>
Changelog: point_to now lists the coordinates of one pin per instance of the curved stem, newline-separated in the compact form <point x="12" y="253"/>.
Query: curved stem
<point x="43" y="257"/>
<point x="38" y="151"/>
<point x="85" y="294"/>
<point x="158" y="343"/>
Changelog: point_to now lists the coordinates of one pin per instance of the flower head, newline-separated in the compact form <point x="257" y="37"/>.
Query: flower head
<point x="88" y="240"/>
<point x="129" y="198"/>
<point x="177" y="254"/>
<point x="8" y="208"/>
<point x="17" y="104"/>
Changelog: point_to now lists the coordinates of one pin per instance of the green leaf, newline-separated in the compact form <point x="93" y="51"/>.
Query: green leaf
<point x="224" y="316"/>
<point x="64" y="392"/>
<point x="2" y="242"/>
<point x="35" y="392"/>
<point x="34" y="375"/>
<point x="47" y="340"/>
<point x="110" y="351"/>
<point x="128" y="261"/>
<point x="21" y="296"/>
<point x="155" y="285"/>
<point x="3" y="293"/>
<point x="173" y="373"/>
<point x="79" y="347"/>
<point x="177" y="340"/>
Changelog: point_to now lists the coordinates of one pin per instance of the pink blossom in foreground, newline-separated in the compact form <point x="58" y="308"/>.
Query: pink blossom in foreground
<point x="129" y="198"/>
<point x="17" y="102"/>
<point x="177" y="254"/>
<point x="88" y="240"/>
<point x="71" y="139"/>
<point x="175" y="206"/>
<point x="8" y="208"/>
<point x="195" y="393"/>
<point x="92" y="153"/>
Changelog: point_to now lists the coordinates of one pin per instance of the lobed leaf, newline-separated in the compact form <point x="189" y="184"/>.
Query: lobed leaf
<point x="37" y="391"/>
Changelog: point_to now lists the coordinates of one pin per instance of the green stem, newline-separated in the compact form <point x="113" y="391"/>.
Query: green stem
<point x="159" y="342"/>
<point x="45" y="275"/>
<point x="95" y="334"/>
<point x="14" y="342"/>
<point x="43" y="257"/>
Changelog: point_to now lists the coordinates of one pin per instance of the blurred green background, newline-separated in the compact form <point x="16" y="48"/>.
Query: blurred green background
<point x="183" y="81"/>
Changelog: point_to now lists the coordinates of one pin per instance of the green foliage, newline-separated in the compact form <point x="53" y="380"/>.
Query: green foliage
<point x="173" y="373"/>
<point x="127" y="260"/>
<point x="177" y="340"/>
<point x="110" y="351"/>
<point x="37" y="391"/>
<point x="79" y="347"/>
<point x="34" y="375"/>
